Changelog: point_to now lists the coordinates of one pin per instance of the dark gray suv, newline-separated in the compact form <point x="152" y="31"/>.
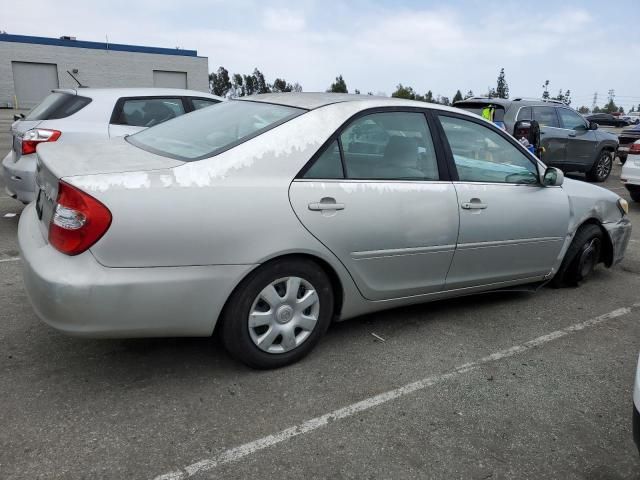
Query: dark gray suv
<point x="569" y="141"/>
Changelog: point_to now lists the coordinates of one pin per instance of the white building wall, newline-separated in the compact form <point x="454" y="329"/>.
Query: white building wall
<point x="98" y="68"/>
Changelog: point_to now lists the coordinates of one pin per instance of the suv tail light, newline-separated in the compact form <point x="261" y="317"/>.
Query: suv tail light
<point x="634" y="149"/>
<point x="78" y="221"/>
<point x="33" y="137"/>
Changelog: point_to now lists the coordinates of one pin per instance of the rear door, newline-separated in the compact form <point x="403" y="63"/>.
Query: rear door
<point x="511" y="227"/>
<point x="581" y="141"/>
<point x="552" y="138"/>
<point x="378" y="196"/>
<point x="132" y="114"/>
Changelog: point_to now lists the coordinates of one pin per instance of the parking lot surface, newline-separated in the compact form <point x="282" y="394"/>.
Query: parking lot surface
<point x="503" y="385"/>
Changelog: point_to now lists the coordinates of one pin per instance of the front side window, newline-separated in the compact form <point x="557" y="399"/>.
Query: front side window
<point x="546" y="116"/>
<point x="571" y="120"/>
<point x="148" y="112"/>
<point x="209" y="131"/>
<point x="483" y="155"/>
<point x="389" y="146"/>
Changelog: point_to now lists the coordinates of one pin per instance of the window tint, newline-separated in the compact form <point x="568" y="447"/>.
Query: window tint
<point x="570" y="119"/>
<point x="58" y="105"/>
<point x="147" y="112"/>
<point x="524" y="114"/>
<point x="209" y="131"/>
<point x="546" y="116"/>
<point x="483" y="155"/>
<point x="199" y="103"/>
<point x="328" y="165"/>
<point x="389" y="146"/>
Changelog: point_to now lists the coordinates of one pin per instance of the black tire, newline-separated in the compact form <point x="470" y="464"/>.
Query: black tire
<point x="235" y="318"/>
<point x="601" y="168"/>
<point x="623" y="159"/>
<point x="581" y="258"/>
<point x="635" y="195"/>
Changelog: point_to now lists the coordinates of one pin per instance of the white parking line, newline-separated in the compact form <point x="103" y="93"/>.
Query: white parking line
<point x="308" y="426"/>
<point x="12" y="259"/>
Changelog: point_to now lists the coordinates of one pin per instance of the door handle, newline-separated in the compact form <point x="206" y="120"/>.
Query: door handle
<point x="326" y="203"/>
<point x="474" y="205"/>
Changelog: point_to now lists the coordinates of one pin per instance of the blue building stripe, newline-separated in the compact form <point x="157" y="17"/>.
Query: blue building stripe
<point x="116" y="47"/>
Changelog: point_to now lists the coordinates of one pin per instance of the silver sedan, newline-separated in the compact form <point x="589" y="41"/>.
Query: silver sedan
<point x="272" y="216"/>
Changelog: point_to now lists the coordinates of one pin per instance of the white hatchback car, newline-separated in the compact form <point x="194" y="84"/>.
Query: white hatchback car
<point x="85" y="115"/>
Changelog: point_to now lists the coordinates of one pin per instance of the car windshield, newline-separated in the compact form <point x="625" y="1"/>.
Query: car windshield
<point x="212" y="130"/>
<point x="58" y="105"/>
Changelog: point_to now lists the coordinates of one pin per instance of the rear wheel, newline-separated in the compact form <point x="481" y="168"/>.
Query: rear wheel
<point x="581" y="258"/>
<point x="278" y="314"/>
<point x="601" y="168"/>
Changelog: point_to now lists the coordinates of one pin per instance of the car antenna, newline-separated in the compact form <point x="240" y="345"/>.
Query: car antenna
<point x="78" y="81"/>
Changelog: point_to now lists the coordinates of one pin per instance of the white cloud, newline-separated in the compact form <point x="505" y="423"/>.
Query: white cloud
<point x="283" y="20"/>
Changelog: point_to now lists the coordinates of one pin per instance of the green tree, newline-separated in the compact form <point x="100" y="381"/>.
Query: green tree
<point x="457" y="97"/>
<point x="237" y="86"/>
<point x="610" y="107"/>
<point x="621" y="109"/>
<point x="297" y="87"/>
<point x="281" y="85"/>
<point x="356" y="91"/>
<point x="429" y="97"/>
<point x="502" y="88"/>
<point x="564" y="97"/>
<point x="469" y="94"/>
<point x="404" y="92"/>
<point x="339" y="86"/>
<point x="260" y="84"/>
<point x="219" y="82"/>
<point x="545" y="91"/>
<point x="633" y="109"/>
<point x="596" y="109"/>
<point x="583" y="110"/>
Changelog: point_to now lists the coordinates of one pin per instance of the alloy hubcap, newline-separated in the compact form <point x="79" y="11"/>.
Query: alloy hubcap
<point x="283" y="315"/>
<point x="604" y="166"/>
<point x="589" y="257"/>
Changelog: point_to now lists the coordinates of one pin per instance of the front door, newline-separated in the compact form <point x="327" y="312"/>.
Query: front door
<point x="552" y="138"/>
<point x="375" y="197"/>
<point x="511" y="227"/>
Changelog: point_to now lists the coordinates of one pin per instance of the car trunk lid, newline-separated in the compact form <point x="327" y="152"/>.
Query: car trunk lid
<point x="58" y="161"/>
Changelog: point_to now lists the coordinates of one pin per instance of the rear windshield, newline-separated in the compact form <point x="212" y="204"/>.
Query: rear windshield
<point x="498" y="115"/>
<point x="212" y="130"/>
<point x="58" y="105"/>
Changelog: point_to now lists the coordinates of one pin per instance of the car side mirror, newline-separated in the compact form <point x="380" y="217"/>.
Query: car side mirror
<point x="18" y="116"/>
<point x="593" y="126"/>
<point x="553" y="177"/>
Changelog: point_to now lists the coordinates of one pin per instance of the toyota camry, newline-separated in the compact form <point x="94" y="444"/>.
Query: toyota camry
<point x="267" y="218"/>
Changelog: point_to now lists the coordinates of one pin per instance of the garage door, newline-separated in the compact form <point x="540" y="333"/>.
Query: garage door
<point x="166" y="79"/>
<point x="33" y="82"/>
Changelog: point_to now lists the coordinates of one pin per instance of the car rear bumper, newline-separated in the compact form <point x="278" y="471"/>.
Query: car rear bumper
<point x="619" y="233"/>
<point x="630" y="174"/>
<point x="20" y="176"/>
<point x="78" y="296"/>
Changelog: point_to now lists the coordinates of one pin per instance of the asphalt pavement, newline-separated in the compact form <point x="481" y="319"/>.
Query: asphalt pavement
<point x="503" y="385"/>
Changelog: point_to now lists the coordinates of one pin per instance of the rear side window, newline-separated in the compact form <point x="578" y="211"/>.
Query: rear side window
<point x="524" y="114"/>
<point x="210" y="131"/>
<point x="58" y="105"/>
<point x="199" y="103"/>
<point x="147" y="112"/>
<point x="381" y="146"/>
<point x="546" y="116"/>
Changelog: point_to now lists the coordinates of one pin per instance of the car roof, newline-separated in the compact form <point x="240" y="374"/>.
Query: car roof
<point x="507" y="102"/>
<point x="313" y="100"/>
<point x="134" y="92"/>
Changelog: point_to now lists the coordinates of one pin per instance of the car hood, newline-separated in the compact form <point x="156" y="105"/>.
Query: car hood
<point x="108" y="156"/>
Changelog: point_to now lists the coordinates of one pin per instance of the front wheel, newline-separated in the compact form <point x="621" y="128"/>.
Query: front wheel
<point x="601" y="168"/>
<point x="581" y="258"/>
<point x="277" y="315"/>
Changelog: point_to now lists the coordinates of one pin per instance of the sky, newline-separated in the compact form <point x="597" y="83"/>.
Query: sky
<point x="586" y="46"/>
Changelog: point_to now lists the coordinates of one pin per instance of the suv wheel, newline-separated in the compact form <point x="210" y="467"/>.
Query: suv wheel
<point x="601" y="168"/>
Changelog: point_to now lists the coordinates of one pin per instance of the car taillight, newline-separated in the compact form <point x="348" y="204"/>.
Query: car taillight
<point x="634" y="149"/>
<point x="33" y="137"/>
<point x="78" y="221"/>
